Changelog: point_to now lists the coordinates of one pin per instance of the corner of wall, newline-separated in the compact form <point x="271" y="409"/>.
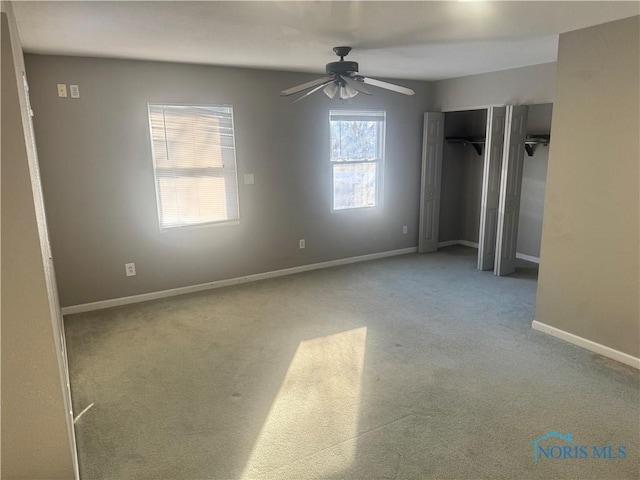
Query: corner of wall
<point x="37" y="429"/>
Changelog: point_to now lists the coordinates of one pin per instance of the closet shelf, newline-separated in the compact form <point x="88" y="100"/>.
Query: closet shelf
<point x="530" y="143"/>
<point x="475" y="142"/>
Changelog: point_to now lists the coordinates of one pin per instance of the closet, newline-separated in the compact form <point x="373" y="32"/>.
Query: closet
<point x="462" y="162"/>
<point x="475" y="179"/>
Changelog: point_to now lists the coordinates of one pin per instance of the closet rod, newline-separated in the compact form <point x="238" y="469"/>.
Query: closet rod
<point x="530" y="142"/>
<point x="475" y="142"/>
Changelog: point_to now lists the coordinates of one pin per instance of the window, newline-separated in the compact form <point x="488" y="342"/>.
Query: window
<point x="357" y="154"/>
<point x="195" y="164"/>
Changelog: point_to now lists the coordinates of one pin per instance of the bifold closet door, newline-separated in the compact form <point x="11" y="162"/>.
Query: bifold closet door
<point x="431" y="181"/>
<point x="510" y="189"/>
<point x="494" y="146"/>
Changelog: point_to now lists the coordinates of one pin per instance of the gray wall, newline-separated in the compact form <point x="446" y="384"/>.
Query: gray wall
<point x="98" y="180"/>
<point x="472" y="198"/>
<point x="519" y="86"/>
<point x="36" y="435"/>
<point x="451" y="192"/>
<point x="589" y="272"/>
<point x="534" y="180"/>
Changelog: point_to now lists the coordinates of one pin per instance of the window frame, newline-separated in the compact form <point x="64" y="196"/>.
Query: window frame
<point x="379" y="162"/>
<point x="222" y="223"/>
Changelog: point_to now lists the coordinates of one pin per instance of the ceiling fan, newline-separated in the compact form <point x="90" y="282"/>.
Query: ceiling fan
<point x="342" y="78"/>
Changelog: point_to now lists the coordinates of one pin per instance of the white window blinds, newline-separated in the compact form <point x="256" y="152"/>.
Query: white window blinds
<point x="195" y="164"/>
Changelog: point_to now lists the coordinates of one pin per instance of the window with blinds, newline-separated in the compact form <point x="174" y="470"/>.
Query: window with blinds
<point x="194" y="162"/>
<point x="357" y="155"/>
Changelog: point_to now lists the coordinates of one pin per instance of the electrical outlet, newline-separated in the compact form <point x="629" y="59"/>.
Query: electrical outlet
<point x="405" y="229"/>
<point x="74" y="90"/>
<point x="130" y="269"/>
<point x="302" y="244"/>
<point x="62" y="90"/>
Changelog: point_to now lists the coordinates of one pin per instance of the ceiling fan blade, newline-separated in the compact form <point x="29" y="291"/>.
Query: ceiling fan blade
<point x="304" y="86"/>
<point x="313" y="90"/>
<point x="387" y="85"/>
<point x="356" y="85"/>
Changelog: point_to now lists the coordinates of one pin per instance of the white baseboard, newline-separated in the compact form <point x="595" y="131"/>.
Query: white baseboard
<point x="116" y="302"/>
<point x="588" y="344"/>
<point x="529" y="258"/>
<point x="466" y="243"/>
<point x="449" y="243"/>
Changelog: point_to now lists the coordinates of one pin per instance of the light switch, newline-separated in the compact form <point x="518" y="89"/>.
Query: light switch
<point x="248" y="179"/>
<point x="62" y="90"/>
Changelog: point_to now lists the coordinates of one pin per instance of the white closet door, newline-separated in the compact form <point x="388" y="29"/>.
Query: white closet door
<point x="431" y="181"/>
<point x="510" y="189"/>
<point x="494" y="145"/>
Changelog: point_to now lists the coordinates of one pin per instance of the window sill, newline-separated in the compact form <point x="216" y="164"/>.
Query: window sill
<point x="199" y="226"/>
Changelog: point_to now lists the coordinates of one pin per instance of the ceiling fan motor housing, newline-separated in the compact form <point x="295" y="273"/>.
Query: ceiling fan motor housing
<point x="342" y="67"/>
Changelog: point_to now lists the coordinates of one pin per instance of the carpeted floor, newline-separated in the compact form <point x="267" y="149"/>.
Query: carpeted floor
<point x="408" y="367"/>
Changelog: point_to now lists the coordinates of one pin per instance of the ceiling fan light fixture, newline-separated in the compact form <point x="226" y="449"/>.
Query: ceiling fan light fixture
<point x="330" y="90"/>
<point x="346" y="92"/>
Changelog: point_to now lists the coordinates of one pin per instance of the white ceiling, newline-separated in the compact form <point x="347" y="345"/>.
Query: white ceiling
<point x="411" y="40"/>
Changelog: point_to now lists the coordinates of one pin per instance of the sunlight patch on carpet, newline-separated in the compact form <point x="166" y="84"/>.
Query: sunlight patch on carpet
<point x="317" y="407"/>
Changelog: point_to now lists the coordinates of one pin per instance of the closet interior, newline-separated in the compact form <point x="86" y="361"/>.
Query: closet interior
<point x="519" y="181"/>
<point x="462" y="163"/>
